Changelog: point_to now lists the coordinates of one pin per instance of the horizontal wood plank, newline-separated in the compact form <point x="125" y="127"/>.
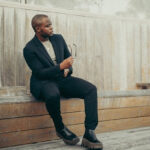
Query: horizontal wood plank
<point x="32" y="136"/>
<point x="132" y="139"/>
<point x="33" y="108"/>
<point x="13" y="91"/>
<point x="10" y="110"/>
<point x="37" y="122"/>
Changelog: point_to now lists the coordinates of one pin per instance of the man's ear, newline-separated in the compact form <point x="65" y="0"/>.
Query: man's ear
<point x="38" y="29"/>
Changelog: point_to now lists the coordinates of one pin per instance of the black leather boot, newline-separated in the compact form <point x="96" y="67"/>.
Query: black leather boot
<point x="68" y="136"/>
<point x="90" y="140"/>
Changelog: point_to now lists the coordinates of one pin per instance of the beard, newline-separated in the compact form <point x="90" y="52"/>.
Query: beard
<point x="46" y="35"/>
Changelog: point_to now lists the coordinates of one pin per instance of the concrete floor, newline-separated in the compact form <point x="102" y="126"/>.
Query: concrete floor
<point x="133" y="139"/>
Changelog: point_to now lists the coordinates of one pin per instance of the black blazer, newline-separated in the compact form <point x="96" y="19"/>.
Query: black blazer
<point x="41" y="64"/>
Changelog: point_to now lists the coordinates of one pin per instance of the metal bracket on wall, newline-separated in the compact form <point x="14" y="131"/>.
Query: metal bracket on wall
<point x="23" y="1"/>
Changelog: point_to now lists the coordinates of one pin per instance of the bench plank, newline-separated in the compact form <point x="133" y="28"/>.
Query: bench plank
<point x="44" y="121"/>
<point x="33" y="108"/>
<point x="33" y="136"/>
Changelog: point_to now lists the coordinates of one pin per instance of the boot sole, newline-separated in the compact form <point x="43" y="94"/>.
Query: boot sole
<point x="86" y="143"/>
<point x="69" y="142"/>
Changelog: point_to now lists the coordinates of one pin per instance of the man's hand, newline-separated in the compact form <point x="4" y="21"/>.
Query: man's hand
<point x="66" y="63"/>
<point x="66" y="71"/>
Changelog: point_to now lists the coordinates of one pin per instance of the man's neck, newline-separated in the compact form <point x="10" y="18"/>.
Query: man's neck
<point x="42" y="39"/>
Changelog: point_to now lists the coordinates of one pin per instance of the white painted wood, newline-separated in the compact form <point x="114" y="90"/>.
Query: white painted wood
<point x="9" y="48"/>
<point x="20" y="26"/>
<point x="138" y="55"/>
<point x="148" y="47"/>
<point x="109" y="96"/>
<point x="144" y="52"/>
<point x="115" y="37"/>
<point x="1" y="46"/>
<point x="29" y="34"/>
<point x="99" y="55"/>
<point x="70" y="12"/>
<point x="107" y="59"/>
<point x="123" y="56"/>
<point x="112" y="53"/>
<point x="130" y="56"/>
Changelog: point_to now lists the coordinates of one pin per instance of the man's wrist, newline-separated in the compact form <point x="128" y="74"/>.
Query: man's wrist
<point x="61" y="66"/>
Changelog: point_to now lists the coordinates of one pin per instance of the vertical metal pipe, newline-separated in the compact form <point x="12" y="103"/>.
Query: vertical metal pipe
<point x="23" y="1"/>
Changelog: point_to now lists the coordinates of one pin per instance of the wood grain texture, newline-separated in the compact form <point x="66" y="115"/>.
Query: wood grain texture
<point x="130" y="56"/>
<point x="33" y="136"/>
<point x="33" y="108"/>
<point x="112" y="53"/>
<point x="72" y="118"/>
<point x="20" y="26"/>
<point x="9" y="75"/>
<point x="138" y="55"/>
<point x="128" y="139"/>
<point x="29" y="122"/>
<point x="12" y="91"/>
<point x="1" y="46"/>
<point x="144" y="52"/>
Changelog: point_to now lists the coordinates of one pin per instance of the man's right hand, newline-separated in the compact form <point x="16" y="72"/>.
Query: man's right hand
<point x="66" y="63"/>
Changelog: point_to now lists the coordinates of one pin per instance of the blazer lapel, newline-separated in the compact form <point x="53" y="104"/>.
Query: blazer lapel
<point x="42" y="49"/>
<point x="55" y="47"/>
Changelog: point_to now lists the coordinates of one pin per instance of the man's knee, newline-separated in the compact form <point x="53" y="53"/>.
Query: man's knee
<point x="92" y="88"/>
<point x="52" y="97"/>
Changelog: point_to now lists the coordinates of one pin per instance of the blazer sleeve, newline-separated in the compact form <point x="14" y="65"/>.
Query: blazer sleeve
<point x="37" y="68"/>
<point x="66" y="54"/>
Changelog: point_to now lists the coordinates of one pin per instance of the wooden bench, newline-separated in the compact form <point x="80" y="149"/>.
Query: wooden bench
<point x="24" y="120"/>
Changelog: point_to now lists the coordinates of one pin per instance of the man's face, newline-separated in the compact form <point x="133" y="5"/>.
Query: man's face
<point x="45" y="29"/>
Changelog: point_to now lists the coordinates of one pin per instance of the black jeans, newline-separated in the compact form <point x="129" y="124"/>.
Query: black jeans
<point x="70" y="87"/>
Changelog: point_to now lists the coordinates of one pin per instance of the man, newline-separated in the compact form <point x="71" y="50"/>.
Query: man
<point x="48" y="57"/>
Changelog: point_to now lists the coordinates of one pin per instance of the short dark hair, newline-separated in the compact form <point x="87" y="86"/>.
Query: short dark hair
<point x="36" y="20"/>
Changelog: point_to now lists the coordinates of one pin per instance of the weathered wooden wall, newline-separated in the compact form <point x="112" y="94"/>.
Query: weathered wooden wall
<point x="113" y="53"/>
